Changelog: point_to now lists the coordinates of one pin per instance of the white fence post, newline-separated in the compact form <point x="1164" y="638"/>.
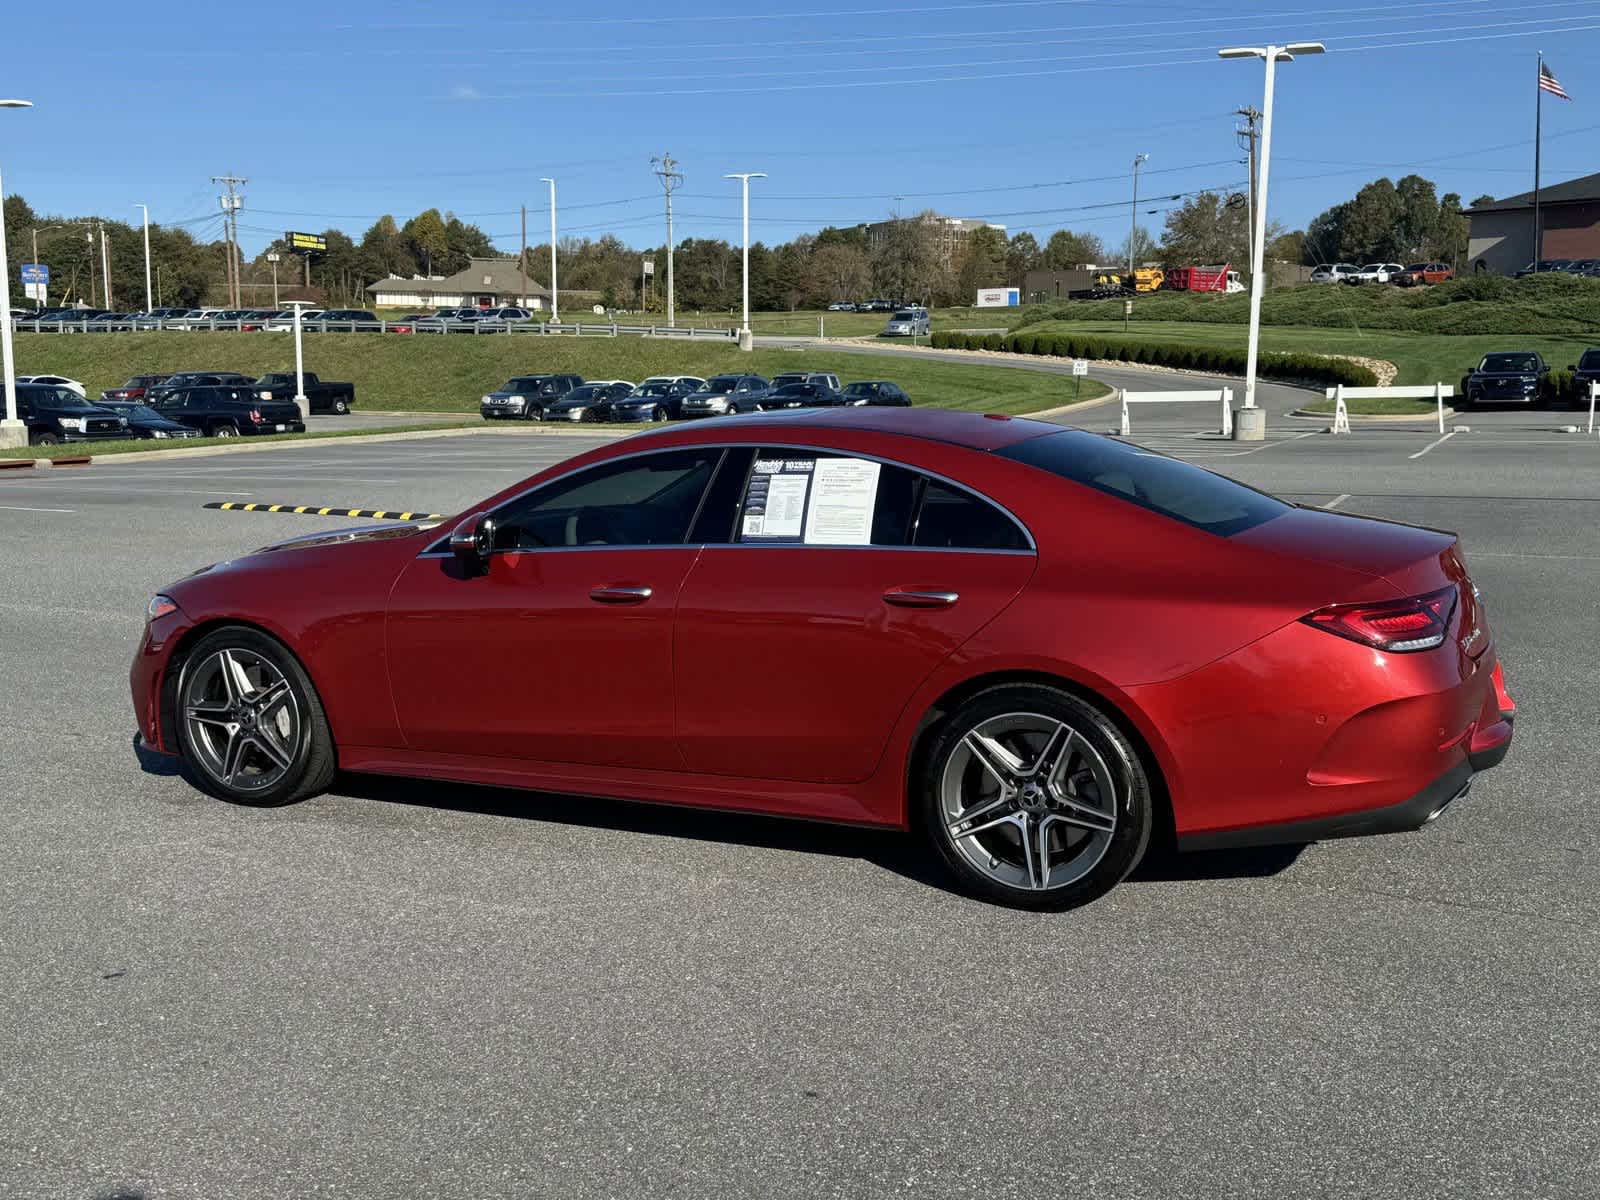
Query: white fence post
<point x="1227" y="412"/>
<point x="1594" y="391"/>
<point x="1341" y="414"/>
<point x="1438" y="400"/>
<point x="1127" y="428"/>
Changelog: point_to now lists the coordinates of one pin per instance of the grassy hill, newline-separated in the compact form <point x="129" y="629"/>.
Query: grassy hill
<point x="449" y="374"/>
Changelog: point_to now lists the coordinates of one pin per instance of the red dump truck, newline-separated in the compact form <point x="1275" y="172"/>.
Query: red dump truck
<point x="1204" y="279"/>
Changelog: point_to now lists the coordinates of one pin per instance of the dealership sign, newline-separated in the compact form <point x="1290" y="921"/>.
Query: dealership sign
<point x="999" y="297"/>
<point x="307" y="243"/>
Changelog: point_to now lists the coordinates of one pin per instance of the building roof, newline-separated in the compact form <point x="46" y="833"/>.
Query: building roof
<point x="1571" y="192"/>
<point x="497" y="275"/>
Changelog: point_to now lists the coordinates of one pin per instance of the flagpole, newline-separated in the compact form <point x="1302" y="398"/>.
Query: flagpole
<point x="1538" y="122"/>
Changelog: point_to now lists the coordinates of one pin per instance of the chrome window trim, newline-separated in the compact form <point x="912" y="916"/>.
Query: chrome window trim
<point x="758" y="447"/>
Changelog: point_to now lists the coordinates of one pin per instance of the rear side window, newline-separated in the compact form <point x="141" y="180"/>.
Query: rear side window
<point x="950" y="519"/>
<point x="1153" y="481"/>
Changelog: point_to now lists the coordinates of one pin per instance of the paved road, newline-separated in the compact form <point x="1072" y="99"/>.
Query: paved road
<point x="406" y="990"/>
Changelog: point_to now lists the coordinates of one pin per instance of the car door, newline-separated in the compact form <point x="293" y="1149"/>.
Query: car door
<point x="562" y="651"/>
<point x="846" y="584"/>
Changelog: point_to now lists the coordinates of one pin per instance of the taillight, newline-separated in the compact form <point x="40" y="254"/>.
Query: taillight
<point x="1395" y="626"/>
<point x="255" y="415"/>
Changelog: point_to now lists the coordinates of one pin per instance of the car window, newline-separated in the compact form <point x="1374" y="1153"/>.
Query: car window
<point x="648" y="500"/>
<point x="1590" y="360"/>
<point x="1175" y="489"/>
<point x="952" y="519"/>
<point x="1509" y="362"/>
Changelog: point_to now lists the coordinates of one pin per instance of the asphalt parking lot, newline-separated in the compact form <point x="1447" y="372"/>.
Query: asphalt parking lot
<point x="419" y="989"/>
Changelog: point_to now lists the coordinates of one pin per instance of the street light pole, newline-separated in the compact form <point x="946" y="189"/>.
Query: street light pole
<point x="300" y="365"/>
<point x="1133" y="229"/>
<point x="12" y="431"/>
<point x="273" y="259"/>
<point x="746" y="339"/>
<point x="555" y="291"/>
<point x="1253" y="426"/>
<point x="149" y="299"/>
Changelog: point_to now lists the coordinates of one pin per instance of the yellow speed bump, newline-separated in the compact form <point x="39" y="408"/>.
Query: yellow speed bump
<point x="317" y="510"/>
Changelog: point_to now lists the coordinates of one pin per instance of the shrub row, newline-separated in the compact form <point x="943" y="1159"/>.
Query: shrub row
<point x="1216" y="361"/>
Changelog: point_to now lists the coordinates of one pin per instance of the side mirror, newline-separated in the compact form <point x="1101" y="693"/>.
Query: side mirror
<point x="1572" y="366"/>
<point x="472" y="542"/>
<point x="1544" y="370"/>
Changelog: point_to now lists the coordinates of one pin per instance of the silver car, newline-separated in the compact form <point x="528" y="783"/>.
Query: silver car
<point x="907" y="322"/>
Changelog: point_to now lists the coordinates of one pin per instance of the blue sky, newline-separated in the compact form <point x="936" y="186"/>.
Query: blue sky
<point x="1025" y="112"/>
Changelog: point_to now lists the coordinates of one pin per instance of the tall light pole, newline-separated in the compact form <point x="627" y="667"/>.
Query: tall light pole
<point x="1253" y="426"/>
<point x="555" y="292"/>
<point x="746" y="340"/>
<point x="1133" y="229"/>
<point x="12" y="431"/>
<point x="149" y="298"/>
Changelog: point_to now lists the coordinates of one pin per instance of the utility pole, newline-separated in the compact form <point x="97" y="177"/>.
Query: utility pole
<point x="522" y="259"/>
<point x="273" y="259"/>
<point x="94" y="296"/>
<point x="231" y="204"/>
<point x="149" y="301"/>
<point x="666" y="169"/>
<point x="555" y="290"/>
<point x="105" y="265"/>
<point x="1249" y="136"/>
<point x="1133" y="231"/>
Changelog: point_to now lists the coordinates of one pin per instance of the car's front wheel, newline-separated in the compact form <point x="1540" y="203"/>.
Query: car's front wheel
<point x="250" y="725"/>
<point x="1032" y="797"/>
<point x="658" y="413"/>
<point x="45" y="439"/>
<point x="225" y="429"/>
<point x="535" y="413"/>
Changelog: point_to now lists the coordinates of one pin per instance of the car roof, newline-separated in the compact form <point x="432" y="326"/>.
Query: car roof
<point x="977" y="431"/>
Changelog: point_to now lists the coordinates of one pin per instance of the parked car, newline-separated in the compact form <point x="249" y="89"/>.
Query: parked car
<point x="875" y="393"/>
<point x="407" y="323"/>
<point x="102" y="321"/>
<point x="146" y="422"/>
<point x="1513" y="377"/>
<point x="324" y="396"/>
<point x="165" y="314"/>
<point x="526" y="397"/>
<point x="1333" y="272"/>
<point x="219" y="411"/>
<point x="54" y="414"/>
<point x="589" y="401"/>
<point x="1584" y="372"/>
<point x="1545" y="266"/>
<point x="188" y="379"/>
<point x="725" y="394"/>
<point x="889" y="690"/>
<point x="841" y="306"/>
<point x="135" y="389"/>
<point x="505" y="315"/>
<point x="825" y="378"/>
<point x="54" y="381"/>
<point x="1375" y="273"/>
<point x="802" y="395"/>
<point x="341" y="320"/>
<point x="1418" y="274"/>
<point x="659" y="398"/>
<point x="908" y="322"/>
<point x="283" y="322"/>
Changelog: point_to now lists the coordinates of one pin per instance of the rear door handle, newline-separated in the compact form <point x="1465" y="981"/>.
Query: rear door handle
<point x="905" y="598"/>
<point x="620" y="594"/>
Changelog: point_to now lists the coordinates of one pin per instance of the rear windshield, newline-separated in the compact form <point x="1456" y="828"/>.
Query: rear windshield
<point x="722" y="383"/>
<point x="1153" y="481"/>
<point x="1590" y="360"/>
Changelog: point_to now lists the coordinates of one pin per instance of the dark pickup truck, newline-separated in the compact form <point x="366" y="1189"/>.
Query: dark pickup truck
<point x="325" y="397"/>
<point x="229" y="411"/>
<point x="1509" y="377"/>
<point x="56" y="414"/>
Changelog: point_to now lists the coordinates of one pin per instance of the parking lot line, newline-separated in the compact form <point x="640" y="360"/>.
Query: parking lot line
<point x="1436" y="442"/>
<point x="25" y="508"/>
<point x="1337" y="500"/>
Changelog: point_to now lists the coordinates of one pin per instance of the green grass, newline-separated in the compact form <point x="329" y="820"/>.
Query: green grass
<point x="448" y="374"/>
<point x="1422" y="357"/>
<point x="142" y="445"/>
<point x="1377" y="406"/>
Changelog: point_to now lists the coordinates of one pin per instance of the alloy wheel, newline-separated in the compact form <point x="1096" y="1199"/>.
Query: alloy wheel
<point x="242" y="718"/>
<point x="1028" y="802"/>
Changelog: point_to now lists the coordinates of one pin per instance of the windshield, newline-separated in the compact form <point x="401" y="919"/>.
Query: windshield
<point x="523" y="383"/>
<point x="142" y="411"/>
<point x="60" y="397"/>
<point x="584" y="394"/>
<point x="1590" y="360"/>
<point x="902" y="316"/>
<point x="652" y="389"/>
<point x="722" y="383"/>
<point x="1510" y="362"/>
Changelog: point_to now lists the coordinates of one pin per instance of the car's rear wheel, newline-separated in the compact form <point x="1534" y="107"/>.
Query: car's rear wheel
<point x="341" y="407"/>
<point x="1032" y="797"/>
<point x="250" y="725"/>
<point x="536" y="413"/>
<point x="225" y="429"/>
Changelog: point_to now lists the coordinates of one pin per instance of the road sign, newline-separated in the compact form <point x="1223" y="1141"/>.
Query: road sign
<point x="35" y="273"/>
<point x="1080" y="366"/>
<point x="649" y="266"/>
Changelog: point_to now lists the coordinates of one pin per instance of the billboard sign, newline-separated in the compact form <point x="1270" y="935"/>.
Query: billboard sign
<point x="35" y="273"/>
<point x="999" y="297"/>
<point x="306" y="243"/>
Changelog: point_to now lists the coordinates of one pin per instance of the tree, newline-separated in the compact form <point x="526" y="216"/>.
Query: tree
<point x="1142" y="245"/>
<point x="463" y="242"/>
<point x="1066" y="250"/>
<point x="842" y="269"/>
<point x="982" y="263"/>
<point x="426" y="239"/>
<point x="1022" y="255"/>
<point x="1208" y="228"/>
<point x="1371" y="220"/>
<point x="1452" y="232"/>
<point x="1416" y="228"/>
<point x="1289" y="247"/>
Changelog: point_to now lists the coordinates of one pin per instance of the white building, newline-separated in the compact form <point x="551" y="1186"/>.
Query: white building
<point x="486" y="283"/>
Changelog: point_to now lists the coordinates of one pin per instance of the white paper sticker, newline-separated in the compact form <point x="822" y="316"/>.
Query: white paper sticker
<point x="786" y="506"/>
<point x="843" y="497"/>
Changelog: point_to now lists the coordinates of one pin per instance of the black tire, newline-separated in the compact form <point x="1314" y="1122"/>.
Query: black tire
<point x="658" y="414"/>
<point x="1129" y="775"/>
<point x="341" y="407"/>
<point x="224" y="429"/>
<point x="536" y="413"/>
<point x="45" y="439"/>
<point x="314" y="759"/>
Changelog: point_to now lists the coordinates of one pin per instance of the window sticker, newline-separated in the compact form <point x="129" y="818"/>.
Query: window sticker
<point x="844" y="493"/>
<point x="775" y="503"/>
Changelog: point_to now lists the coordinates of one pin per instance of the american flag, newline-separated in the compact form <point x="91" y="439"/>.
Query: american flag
<point x="1549" y="83"/>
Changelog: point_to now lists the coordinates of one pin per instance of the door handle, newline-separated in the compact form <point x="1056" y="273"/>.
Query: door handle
<point x="620" y="594"/>
<point x="904" y="598"/>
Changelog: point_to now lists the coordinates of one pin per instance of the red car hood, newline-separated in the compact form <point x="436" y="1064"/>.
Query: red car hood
<point x="363" y="533"/>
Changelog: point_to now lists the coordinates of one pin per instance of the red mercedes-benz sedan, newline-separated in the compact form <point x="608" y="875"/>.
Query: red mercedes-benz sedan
<point x="1034" y="646"/>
